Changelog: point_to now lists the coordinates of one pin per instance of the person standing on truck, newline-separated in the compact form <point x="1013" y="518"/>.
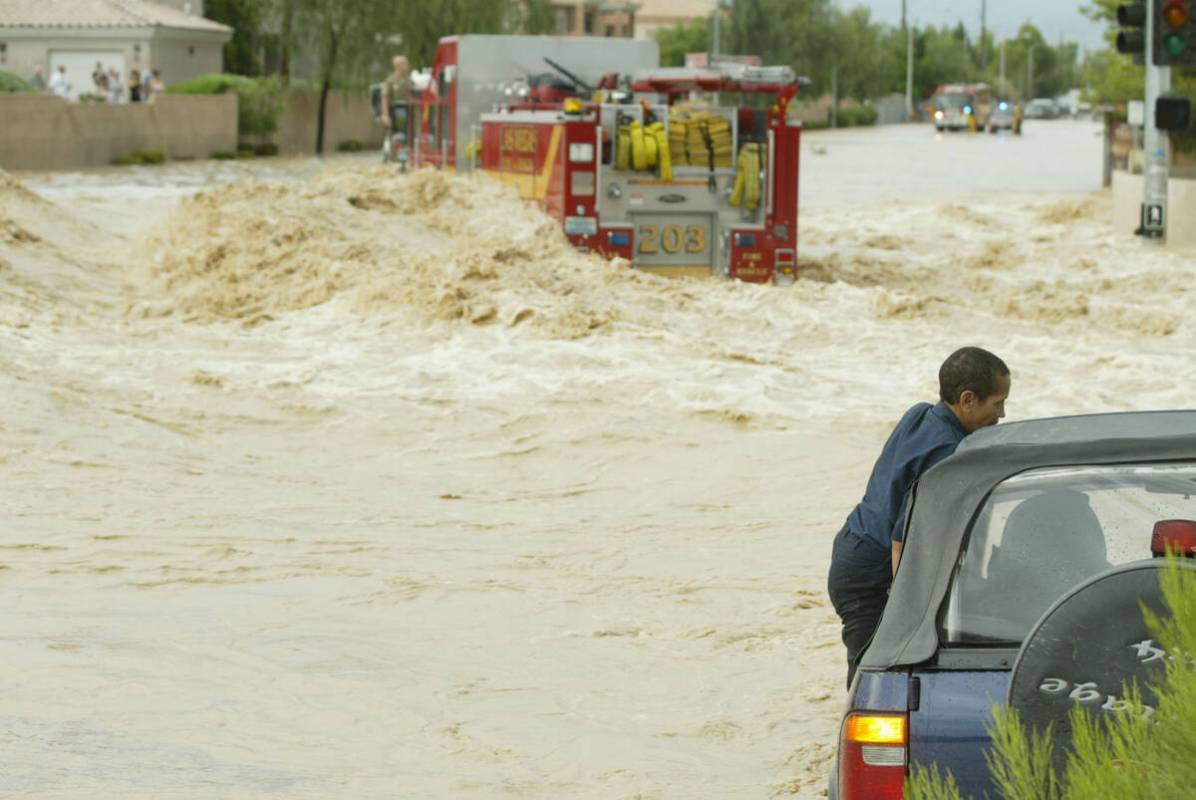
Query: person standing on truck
<point x="973" y="387"/>
<point x="397" y="90"/>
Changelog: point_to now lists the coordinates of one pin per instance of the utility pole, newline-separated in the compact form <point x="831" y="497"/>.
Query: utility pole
<point x="1156" y="144"/>
<point x="1030" y="71"/>
<point x="1002" y="66"/>
<point x="715" y="43"/>
<point x="903" y="14"/>
<point x="983" y="32"/>
<point x="909" y="74"/>
<point x="835" y="96"/>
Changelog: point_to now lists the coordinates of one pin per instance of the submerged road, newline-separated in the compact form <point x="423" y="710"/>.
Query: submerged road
<point x="402" y="498"/>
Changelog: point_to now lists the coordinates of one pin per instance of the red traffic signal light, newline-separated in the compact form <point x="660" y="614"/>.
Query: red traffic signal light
<point x="1175" y="14"/>
<point x="1174" y="32"/>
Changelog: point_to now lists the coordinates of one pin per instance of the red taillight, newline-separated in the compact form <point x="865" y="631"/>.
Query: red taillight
<point x="872" y="757"/>
<point x="1178" y="535"/>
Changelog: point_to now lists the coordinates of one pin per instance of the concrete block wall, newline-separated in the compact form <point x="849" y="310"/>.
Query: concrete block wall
<point x="43" y="132"/>
<point x="348" y="117"/>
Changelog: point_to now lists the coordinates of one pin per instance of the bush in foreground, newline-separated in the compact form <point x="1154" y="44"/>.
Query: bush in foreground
<point x="1127" y="756"/>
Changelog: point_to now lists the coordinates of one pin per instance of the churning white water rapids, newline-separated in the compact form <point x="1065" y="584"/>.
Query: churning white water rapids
<point x="319" y="481"/>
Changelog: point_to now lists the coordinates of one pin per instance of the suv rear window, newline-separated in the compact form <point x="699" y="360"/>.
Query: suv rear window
<point x="1044" y="531"/>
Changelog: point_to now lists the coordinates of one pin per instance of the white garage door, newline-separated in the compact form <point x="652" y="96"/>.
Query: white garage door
<point x="80" y="64"/>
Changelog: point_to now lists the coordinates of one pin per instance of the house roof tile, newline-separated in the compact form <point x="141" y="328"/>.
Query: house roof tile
<point x="99" y="14"/>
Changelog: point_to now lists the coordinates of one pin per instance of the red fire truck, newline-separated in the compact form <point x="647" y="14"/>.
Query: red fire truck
<point x="616" y="149"/>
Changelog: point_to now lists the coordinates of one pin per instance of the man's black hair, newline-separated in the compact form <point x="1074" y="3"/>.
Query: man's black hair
<point x="970" y="368"/>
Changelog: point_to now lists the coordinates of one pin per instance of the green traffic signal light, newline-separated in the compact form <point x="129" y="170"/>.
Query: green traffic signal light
<point x="1175" y="44"/>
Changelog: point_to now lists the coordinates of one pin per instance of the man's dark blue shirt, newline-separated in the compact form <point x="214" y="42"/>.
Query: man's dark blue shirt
<point x="925" y="436"/>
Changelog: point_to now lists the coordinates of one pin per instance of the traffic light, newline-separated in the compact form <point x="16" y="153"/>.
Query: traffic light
<point x="1174" y="29"/>
<point x="1132" y="17"/>
<point x="1173" y="113"/>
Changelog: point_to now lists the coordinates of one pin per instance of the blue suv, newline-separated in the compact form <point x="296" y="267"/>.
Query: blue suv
<point x="996" y="535"/>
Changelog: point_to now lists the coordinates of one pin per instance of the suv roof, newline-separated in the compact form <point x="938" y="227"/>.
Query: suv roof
<point x="1084" y="428"/>
<point x="948" y="497"/>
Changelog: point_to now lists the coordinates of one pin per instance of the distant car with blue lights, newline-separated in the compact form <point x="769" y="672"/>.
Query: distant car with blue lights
<point x="1019" y="549"/>
<point x="1005" y="117"/>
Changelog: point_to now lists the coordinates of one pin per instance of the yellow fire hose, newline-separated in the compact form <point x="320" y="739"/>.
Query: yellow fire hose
<point x="639" y="155"/>
<point x="747" y="179"/>
<point x="623" y="147"/>
<point x="643" y="148"/>
<point x="663" y="156"/>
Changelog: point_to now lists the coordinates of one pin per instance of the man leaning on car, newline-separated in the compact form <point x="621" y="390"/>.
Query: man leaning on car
<point x="973" y="387"/>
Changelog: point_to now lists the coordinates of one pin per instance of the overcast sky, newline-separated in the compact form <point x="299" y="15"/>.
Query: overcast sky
<point x="1052" y="17"/>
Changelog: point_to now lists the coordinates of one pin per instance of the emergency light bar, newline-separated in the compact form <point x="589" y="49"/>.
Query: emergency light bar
<point x="727" y="77"/>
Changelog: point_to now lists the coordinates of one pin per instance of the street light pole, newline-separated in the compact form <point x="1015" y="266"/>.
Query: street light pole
<point x="1156" y="146"/>
<point x="909" y="73"/>
<point x="715" y="43"/>
<point x="983" y="27"/>
<point x="1030" y="70"/>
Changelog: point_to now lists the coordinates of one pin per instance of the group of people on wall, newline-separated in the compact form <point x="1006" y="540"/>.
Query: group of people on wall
<point x="139" y="86"/>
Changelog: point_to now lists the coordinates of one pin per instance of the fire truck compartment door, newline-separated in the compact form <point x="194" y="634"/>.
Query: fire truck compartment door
<point x="664" y="239"/>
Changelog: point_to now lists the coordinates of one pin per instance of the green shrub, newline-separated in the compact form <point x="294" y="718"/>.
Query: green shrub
<point x="266" y="149"/>
<point x="223" y="155"/>
<point x="245" y="152"/>
<point x="349" y="146"/>
<point x="853" y="116"/>
<point x="92" y="97"/>
<point x="216" y="83"/>
<point x="140" y="157"/>
<point x="14" y="83"/>
<point x="260" y="99"/>
<point x="1126" y="756"/>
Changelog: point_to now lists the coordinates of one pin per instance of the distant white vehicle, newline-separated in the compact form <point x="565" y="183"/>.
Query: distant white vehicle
<point x="1069" y="104"/>
<point x="1042" y="108"/>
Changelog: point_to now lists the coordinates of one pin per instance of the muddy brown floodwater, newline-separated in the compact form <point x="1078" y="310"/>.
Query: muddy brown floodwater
<point x="319" y="481"/>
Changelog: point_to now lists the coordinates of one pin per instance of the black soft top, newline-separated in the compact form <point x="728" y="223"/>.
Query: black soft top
<point x="949" y="496"/>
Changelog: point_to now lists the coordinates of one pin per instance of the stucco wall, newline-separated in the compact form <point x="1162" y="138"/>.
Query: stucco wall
<point x="1181" y="207"/>
<point x="44" y="132"/>
<point x="179" y="55"/>
<point x="349" y="117"/>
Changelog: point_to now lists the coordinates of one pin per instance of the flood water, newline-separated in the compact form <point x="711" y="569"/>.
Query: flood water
<point x="320" y="481"/>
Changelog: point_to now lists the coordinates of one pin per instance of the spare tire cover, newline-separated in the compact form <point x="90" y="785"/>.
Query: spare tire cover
<point x="1085" y="649"/>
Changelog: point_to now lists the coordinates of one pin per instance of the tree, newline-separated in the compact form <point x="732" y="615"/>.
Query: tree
<point x="423" y="24"/>
<point x="241" y="53"/>
<point x="345" y="35"/>
<point x="532" y="16"/>
<point x="685" y="37"/>
<point x="871" y="65"/>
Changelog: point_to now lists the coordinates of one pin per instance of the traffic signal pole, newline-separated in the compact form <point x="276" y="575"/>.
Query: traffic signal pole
<point x="1157" y="145"/>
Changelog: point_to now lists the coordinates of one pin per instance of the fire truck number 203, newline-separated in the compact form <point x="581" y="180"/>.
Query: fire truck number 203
<point x="671" y="239"/>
